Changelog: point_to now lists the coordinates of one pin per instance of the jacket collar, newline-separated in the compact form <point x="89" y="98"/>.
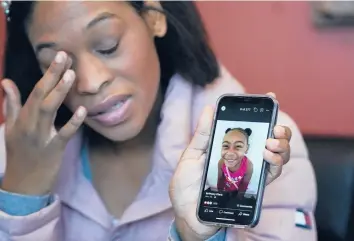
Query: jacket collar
<point x="173" y="135"/>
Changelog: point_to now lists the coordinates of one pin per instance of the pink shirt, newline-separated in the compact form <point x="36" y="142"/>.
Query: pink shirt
<point x="78" y="213"/>
<point x="230" y="181"/>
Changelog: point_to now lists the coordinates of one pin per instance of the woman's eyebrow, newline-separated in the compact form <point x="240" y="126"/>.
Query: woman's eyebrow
<point x="101" y="17"/>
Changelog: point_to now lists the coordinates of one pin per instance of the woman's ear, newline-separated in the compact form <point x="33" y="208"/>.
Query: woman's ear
<point x="155" y="18"/>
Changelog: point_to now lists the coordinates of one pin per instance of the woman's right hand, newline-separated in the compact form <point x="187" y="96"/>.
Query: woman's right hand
<point x="34" y="148"/>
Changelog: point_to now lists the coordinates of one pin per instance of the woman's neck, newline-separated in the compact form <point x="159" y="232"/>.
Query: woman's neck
<point x="123" y="167"/>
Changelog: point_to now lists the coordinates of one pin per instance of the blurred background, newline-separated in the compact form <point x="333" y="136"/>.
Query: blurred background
<point x="308" y="62"/>
<point x="274" y="46"/>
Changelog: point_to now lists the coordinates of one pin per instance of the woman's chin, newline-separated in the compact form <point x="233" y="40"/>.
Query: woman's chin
<point x="118" y="136"/>
<point x="119" y="133"/>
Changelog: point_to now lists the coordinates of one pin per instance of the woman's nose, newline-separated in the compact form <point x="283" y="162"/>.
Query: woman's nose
<point x="92" y="75"/>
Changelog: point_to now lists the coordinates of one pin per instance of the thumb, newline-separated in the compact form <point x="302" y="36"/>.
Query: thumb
<point x="13" y="101"/>
<point x="272" y="94"/>
<point x="199" y="143"/>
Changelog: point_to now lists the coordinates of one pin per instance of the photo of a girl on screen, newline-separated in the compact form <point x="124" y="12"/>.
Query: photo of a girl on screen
<point x="234" y="168"/>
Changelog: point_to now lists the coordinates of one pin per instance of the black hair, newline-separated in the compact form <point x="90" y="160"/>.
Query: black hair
<point x="246" y="132"/>
<point x="183" y="50"/>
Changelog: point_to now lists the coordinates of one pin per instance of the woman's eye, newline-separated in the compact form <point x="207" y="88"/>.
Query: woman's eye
<point x="109" y="50"/>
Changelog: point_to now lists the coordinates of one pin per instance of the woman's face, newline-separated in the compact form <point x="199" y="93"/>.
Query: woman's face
<point x="113" y="55"/>
<point x="234" y="147"/>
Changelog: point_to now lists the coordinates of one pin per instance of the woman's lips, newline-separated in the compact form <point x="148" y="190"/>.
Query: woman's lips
<point x="106" y="104"/>
<point x="112" y="111"/>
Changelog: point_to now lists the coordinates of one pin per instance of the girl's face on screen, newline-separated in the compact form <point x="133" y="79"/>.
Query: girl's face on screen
<point x="234" y="147"/>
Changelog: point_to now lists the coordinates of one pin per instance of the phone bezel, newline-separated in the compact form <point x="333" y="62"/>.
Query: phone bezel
<point x="259" y="200"/>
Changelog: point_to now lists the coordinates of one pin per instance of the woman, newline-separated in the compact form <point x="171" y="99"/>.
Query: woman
<point x="235" y="169"/>
<point x="138" y="75"/>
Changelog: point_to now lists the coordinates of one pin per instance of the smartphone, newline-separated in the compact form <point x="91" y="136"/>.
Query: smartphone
<point x="235" y="172"/>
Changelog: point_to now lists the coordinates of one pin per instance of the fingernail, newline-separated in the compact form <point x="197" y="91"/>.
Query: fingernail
<point x="68" y="76"/>
<point x="60" y="57"/>
<point x="81" y="111"/>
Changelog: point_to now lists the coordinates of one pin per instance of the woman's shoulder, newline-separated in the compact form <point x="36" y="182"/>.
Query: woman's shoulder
<point x="225" y="83"/>
<point x="208" y="95"/>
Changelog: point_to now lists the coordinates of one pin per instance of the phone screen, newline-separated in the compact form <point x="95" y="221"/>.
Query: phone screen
<point x="235" y="167"/>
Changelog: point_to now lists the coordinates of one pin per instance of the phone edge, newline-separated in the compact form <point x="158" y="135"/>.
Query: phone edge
<point x="258" y="207"/>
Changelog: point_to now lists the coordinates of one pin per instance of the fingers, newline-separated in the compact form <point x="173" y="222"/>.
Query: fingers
<point x="13" y="101"/>
<point x="52" y="102"/>
<point x="70" y="128"/>
<point x="50" y="79"/>
<point x="282" y="132"/>
<point x="281" y="143"/>
<point x="273" y="158"/>
<point x="68" y="63"/>
<point x="272" y="94"/>
<point x="278" y="145"/>
<point x="275" y="161"/>
<point x="277" y="151"/>
<point x="199" y="143"/>
<point x="58" y="94"/>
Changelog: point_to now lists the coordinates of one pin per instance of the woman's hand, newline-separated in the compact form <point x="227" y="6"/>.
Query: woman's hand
<point x="34" y="148"/>
<point x="185" y="185"/>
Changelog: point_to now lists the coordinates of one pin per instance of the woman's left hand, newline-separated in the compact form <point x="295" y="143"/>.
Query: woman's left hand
<point x="185" y="185"/>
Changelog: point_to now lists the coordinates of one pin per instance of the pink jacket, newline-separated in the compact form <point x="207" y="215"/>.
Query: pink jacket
<point x="78" y="214"/>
